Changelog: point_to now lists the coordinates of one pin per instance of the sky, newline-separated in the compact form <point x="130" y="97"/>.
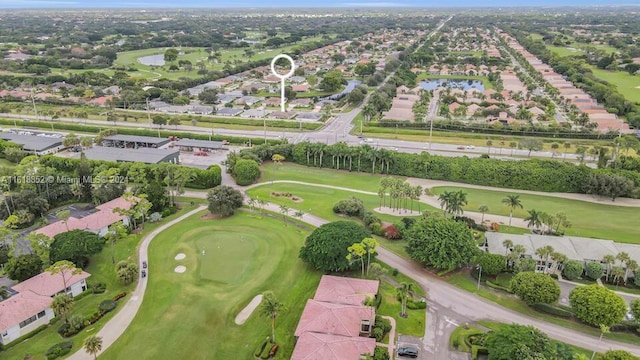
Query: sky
<point x="302" y="3"/>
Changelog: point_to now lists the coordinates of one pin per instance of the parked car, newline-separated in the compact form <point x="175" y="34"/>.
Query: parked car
<point x="144" y="264"/>
<point x="461" y="147"/>
<point x="201" y="153"/>
<point x="408" y="352"/>
<point x="144" y="273"/>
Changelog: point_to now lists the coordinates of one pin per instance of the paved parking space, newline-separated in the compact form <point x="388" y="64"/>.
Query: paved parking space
<point x="412" y="341"/>
<point x="212" y="158"/>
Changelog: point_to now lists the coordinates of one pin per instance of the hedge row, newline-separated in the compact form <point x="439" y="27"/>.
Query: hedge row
<point x="496" y="286"/>
<point x="553" y="310"/>
<point x="534" y="174"/>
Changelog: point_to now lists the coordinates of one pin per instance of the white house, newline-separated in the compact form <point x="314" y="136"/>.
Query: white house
<point x="31" y="306"/>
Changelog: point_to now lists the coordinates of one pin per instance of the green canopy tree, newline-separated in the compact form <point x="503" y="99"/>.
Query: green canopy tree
<point x="440" y="242"/>
<point x="357" y="253"/>
<point x="223" y="200"/>
<point x="75" y="246"/>
<point x="326" y="248"/>
<point x="535" y="288"/>
<point x="597" y="305"/>
<point x="492" y="264"/>
<point x="23" y="267"/>
<point x="519" y="342"/>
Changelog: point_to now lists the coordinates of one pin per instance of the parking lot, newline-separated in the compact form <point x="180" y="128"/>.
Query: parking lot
<point x="212" y="158"/>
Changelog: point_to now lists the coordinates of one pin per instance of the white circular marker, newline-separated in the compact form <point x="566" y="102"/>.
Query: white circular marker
<point x="282" y="77"/>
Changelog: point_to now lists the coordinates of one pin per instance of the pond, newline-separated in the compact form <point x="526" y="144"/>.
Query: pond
<point x="351" y="84"/>
<point x="432" y="84"/>
<point x="152" y="60"/>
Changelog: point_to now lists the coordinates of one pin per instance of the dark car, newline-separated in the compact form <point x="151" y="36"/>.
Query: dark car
<point x="408" y="352"/>
<point x="144" y="264"/>
<point x="144" y="273"/>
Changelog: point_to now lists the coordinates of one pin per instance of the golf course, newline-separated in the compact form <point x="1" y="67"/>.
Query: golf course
<point x="190" y="315"/>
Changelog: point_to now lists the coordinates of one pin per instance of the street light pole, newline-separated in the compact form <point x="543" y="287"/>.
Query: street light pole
<point x="479" y="276"/>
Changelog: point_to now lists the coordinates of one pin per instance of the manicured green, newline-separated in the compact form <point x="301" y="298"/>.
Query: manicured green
<point x="319" y="201"/>
<point x="191" y="315"/>
<point x="459" y="334"/>
<point x="588" y="219"/>
<point x="102" y="271"/>
<point x="627" y="84"/>
<point x="342" y="178"/>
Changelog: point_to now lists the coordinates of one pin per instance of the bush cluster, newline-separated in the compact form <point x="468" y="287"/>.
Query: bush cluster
<point x="58" y="350"/>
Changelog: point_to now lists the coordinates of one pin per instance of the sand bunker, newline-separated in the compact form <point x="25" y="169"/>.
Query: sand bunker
<point x="248" y="310"/>
<point x="180" y="256"/>
<point x="180" y="269"/>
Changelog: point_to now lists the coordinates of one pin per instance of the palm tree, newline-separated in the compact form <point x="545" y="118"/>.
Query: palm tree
<point x="558" y="258"/>
<point x="534" y="219"/>
<point x="545" y="253"/>
<point x="404" y="291"/>
<point x="608" y="260"/>
<point x="513" y="145"/>
<point x="508" y="244"/>
<point x="284" y="210"/>
<point x="453" y="202"/>
<point x="93" y="345"/>
<point x="483" y="209"/>
<point x="270" y="308"/>
<point x="630" y="267"/>
<point x="4" y="293"/>
<point x="61" y="305"/>
<point x="489" y="144"/>
<point x="512" y="201"/>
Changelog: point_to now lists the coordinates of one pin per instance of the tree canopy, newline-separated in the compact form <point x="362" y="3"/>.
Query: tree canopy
<point x="75" y="246"/>
<point x="440" y="242"/>
<point x="23" y="267"/>
<point x="597" y="305"/>
<point x="492" y="264"/>
<point x="326" y="248"/>
<point x="223" y="200"/>
<point x="519" y="342"/>
<point x="246" y="172"/>
<point x="535" y="288"/>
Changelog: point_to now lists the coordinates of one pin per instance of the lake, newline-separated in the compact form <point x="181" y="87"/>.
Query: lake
<point x="152" y="60"/>
<point x="432" y="84"/>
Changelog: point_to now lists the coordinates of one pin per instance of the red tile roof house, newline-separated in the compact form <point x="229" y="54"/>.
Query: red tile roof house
<point x="31" y="307"/>
<point x="335" y="325"/>
<point x="98" y="222"/>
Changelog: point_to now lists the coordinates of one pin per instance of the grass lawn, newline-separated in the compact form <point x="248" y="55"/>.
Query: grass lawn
<point x="588" y="219"/>
<point x="191" y="315"/>
<point x="320" y="201"/>
<point x="628" y="85"/>
<point x="343" y="178"/>
<point x="102" y="270"/>
<point x="413" y="324"/>
<point x="459" y="334"/>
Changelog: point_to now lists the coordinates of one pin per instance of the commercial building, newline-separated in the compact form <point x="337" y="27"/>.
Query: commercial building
<point x="198" y="145"/>
<point x="145" y="155"/>
<point x="40" y="144"/>
<point x="133" y="141"/>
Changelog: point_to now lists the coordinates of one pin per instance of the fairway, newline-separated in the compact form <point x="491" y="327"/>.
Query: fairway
<point x="228" y="262"/>
<point x="589" y="219"/>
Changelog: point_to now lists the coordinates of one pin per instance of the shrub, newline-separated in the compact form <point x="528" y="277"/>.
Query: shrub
<point x="370" y="218"/>
<point x="496" y="286"/>
<point x="168" y="211"/>
<point x="594" y="270"/>
<point x="260" y="349"/>
<point x="350" y="207"/>
<point x="99" y="288"/>
<point x="378" y="333"/>
<point x="407" y="221"/>
<point x="553" y="310"/>
<point x="535" y="288"/>
<point x="107" y="305"/>
<point x="572" y="270"/>
<point x="596" y="305"/>
<point x="394" y="272"/>
<point x="380" y="353"/>
<point x="58" y="350"/>
<point x="119" y="296"/>
<point x="391" y="233"/>
<point x="416" y="305"/>
<point x="155" y="217"/>
<point x="246" y="172"/>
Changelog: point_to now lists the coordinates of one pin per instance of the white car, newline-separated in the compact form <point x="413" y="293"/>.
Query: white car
<point x="470" y="147"/>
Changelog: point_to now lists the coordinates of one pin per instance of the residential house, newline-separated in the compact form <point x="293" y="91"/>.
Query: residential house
<point x="97" y="222"/>
<point x="335" y="324"/>
<point x="300" y="88"/>
<point x="30" y="308"/>
<point x="225" y="111"/>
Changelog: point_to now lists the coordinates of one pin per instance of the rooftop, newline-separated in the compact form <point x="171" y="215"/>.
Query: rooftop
<point x="158" y="141"/>
<point x="21" y="307"/>
<point x="47" y="284"/>
<point x="202" y="144"/>
<point x="145" y="155"/>
<point x="343" y="290"/>
<point x="32" y="142"/>
<point x="331" y="318"/>
<point x="314" y="346"/>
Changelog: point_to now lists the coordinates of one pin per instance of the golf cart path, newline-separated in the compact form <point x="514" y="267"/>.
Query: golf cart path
<point x="248" y="310"/>
<point x="115" y="327"/>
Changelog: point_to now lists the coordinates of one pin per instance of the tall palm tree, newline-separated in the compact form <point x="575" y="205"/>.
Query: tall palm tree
<point x="608" y="260"/>
<point x="446" y="199"/>
<point x="270" y="308"/>
<point x="631" y="267"/>
<point x="284" y="210"/>
<point x="534" y="219"/>
<point x="61" y="305"/>
<point x="483" y="209"/>
<point x="558" y="258"/>
<point x="512" y="201"/>
<point x="508" y="244"/>
<point x="404" y="291"/>
<point x="93" y="345"/>
<point x="545" y="253"/>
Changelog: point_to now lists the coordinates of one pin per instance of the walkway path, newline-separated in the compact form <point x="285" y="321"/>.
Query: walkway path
<point x="119" y="323"/>
<point x="392" y="337"/>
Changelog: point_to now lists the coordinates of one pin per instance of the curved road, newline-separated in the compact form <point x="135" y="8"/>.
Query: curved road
<point x="447" y="303"/>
